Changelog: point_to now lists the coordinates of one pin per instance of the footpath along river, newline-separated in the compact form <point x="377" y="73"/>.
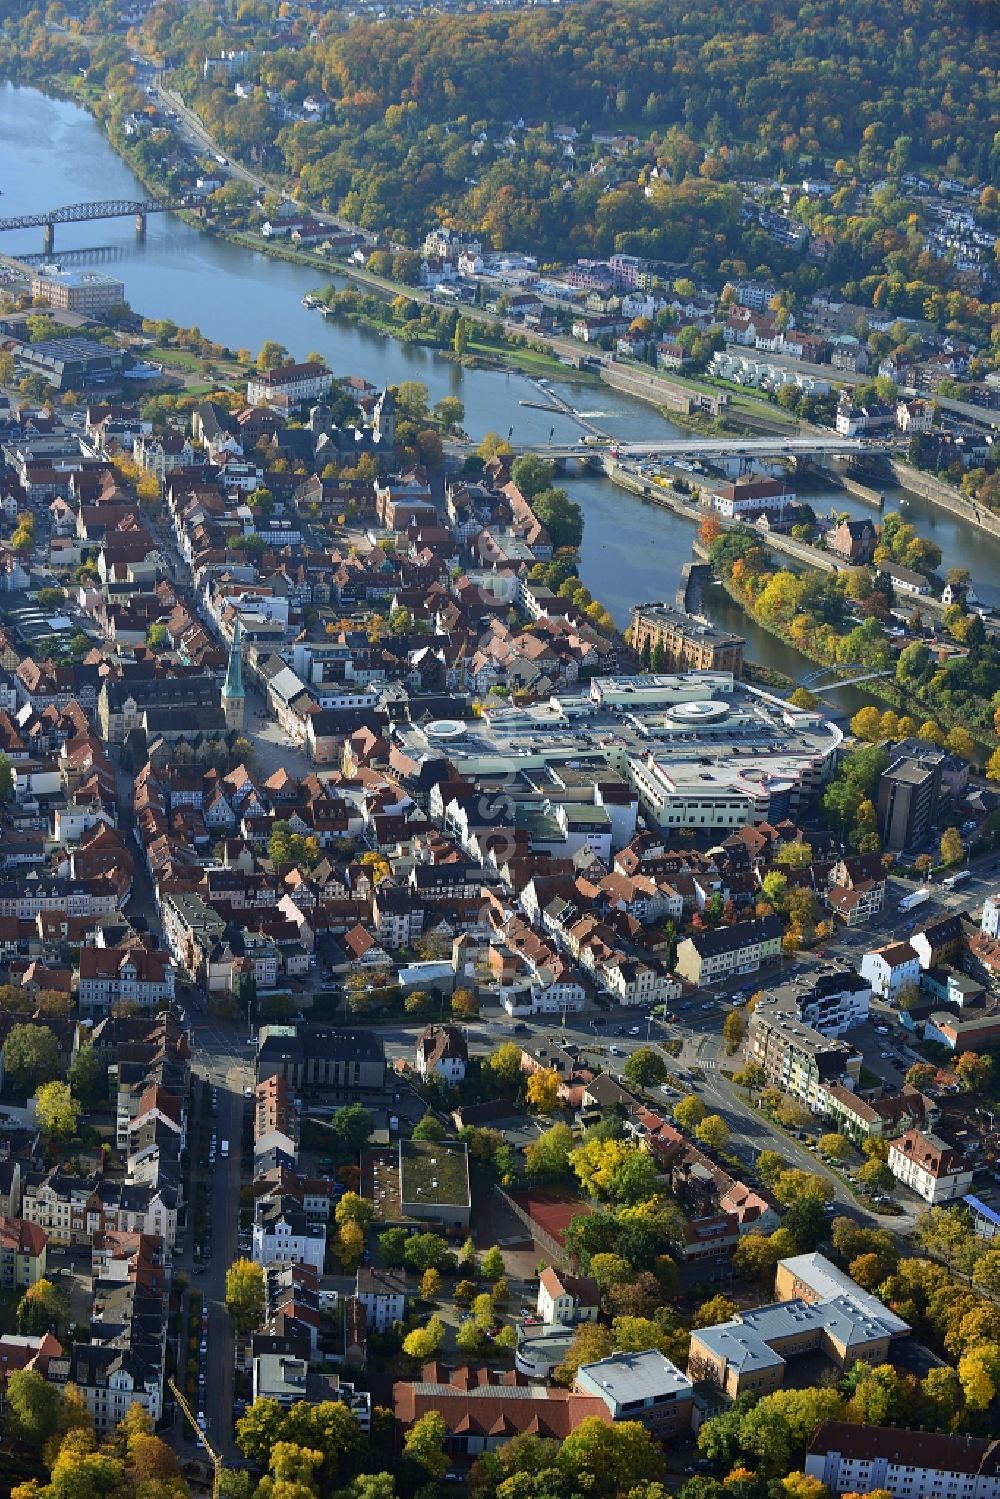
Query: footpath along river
<point x="55" y="154"/>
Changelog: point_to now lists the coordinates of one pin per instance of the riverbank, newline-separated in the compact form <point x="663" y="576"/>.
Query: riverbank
<point x="938" y="493"/>
<point x="694" y="406"/>
<point x="485" y="351"/>
<point x="658" y="493"/>
<point x="901" y="700"/>
<point x="59" y="154"/>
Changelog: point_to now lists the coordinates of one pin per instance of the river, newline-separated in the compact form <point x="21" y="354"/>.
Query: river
<point x="55" y="154"/>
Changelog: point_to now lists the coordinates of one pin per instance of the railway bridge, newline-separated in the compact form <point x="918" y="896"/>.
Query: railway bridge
<point x="82" y="213"/>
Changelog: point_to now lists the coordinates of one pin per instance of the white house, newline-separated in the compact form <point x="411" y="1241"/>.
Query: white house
<point x="382" y="1293"/>
<point x="290" y="382"/>
<point x="850" y="1458"/>
<point x="161" y="455"/>
<point x="990" y="922"/>
<point x="442" y="1052"/>
<point x="888" y="969"/>
<point x="283" y="1235"/>
<point x="111" y="974"/>
<point x="929" y="1166"/>
<point x="913" y="416"/>
<point x="567" y="1298"/>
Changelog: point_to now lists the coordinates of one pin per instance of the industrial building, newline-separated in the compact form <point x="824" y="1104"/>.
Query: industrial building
<point x="71" y="363"/>
<point x="88" y="292"/>
<point x="688" y="642"/>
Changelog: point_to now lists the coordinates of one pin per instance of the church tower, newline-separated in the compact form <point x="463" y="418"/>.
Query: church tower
<point x="233" y="696"/>
<point x="384" y="420"/>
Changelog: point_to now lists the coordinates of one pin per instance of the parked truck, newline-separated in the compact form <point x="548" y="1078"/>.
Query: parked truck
<point x="915" y="898"/>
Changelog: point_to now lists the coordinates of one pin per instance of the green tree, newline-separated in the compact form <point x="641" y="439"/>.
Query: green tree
<point x="351" y="1127"/>
<point x="875" y="1176"/>
<point x="835" y="1146"/>
<point x="259" y="1430"/>
<point x="612" y="1458"/>
<point x="717" y="1309"/>
<point x="88" y="1079"/>
<point x="645" y="1068"/>
<point x="549" y="1154"/>
<point x="56" y="1110"/>
<point x="542" y="1090"/>
<point x="634" y="1178"/>
<point x="879" y="1396"/>
<point x="31" y="1056"/>
<point x="734" y="1029"/>
<point x="411" y="401"/>
<point x="468" y="1337"/>
<point x="424" y="1251"/>
<point x="391" y="1245"/>
<point x="492" y="1265"/>
<point x="449" y="412"/>
<point x="713" y="1132"/>
<point x="245" y="1296"/>
<point x="690" y="1111"/>
<point x="430" y="1284"/>
<point x="44" y="1307"/>
<point x="423" y="1342"/>
<point x="504" y="1064"/>
<point x="428" y="1128"/>
<point x="532" y="474"/>
<point x="561" y="517"/>
<point x="425" y="1444"/>
<point x="271" y="355"/>
<point x="952" y="847"/>
<point x="975" y="1072"/>
<point x="32" y="1408"/>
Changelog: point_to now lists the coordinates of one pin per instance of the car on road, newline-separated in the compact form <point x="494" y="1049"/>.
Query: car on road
<point x="635" y="1030"/>
<point x="615" y="1051"/>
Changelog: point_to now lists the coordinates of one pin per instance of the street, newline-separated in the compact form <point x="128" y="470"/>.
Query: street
<point x="223" y="1058"/>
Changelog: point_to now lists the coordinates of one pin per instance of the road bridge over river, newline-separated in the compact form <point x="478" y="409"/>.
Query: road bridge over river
<point x="668" y="448"/>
